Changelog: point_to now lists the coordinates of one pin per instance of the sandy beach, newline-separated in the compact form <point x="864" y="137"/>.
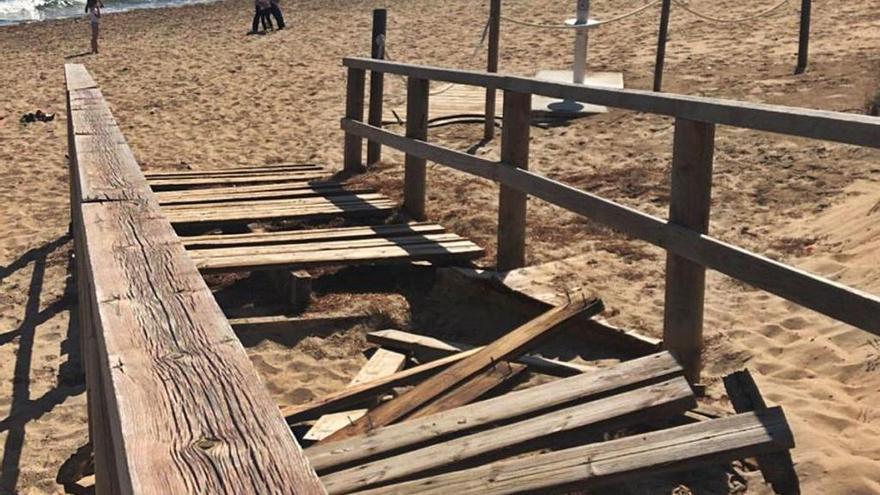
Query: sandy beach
<point x="191" y="90"/>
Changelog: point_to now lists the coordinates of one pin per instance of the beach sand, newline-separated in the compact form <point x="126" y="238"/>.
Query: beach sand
<point x="191" y="90"/>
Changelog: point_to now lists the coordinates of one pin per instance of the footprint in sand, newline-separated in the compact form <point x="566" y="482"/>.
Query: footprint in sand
<point x="794" y="323"/>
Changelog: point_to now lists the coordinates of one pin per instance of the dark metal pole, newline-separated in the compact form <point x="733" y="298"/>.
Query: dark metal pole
<point x="492" y="66"/>
<point x="661" y="45"/>
<point x="804" y="41"/>
<point x="377" y="83"/>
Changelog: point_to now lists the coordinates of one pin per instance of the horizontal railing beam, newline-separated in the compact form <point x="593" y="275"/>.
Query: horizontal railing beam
<point x="830" y="298"/>
<point x="847" y="128"/>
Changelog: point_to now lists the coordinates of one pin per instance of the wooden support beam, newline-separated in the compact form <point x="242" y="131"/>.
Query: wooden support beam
<point x="646" y="404"/>
<point x="471" y="390"/>
<point x="415" y="172"/>
<point x="511" y="202"/>
<point x="492" y="65"/>
<point x="674" y="449"/>
<point x="662" y="35"/>
<point x="426" y="348"/>
<point x="496" y="411"/>
<point x="689" y="206"/>
<point x="377" y="83"/>
<point x="509" y="346"/>
<point x="382" y="364"/>
<point x="354" y="110"/>
<point x="804" y="37"/>
<point x="777" y="468"/>
<point x="295" y="287"/>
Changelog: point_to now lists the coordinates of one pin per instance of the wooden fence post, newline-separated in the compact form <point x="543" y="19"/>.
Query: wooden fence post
<point x="804" y="38"/>
<point x="354" y="109"/>
<point x="416" y="128"/>
<point x="377" y="83"/>
<point x="492" y="65"/>
<point x="661" y="44"/>
<point x="689" y="205"/>
<point x="512" y="203"/>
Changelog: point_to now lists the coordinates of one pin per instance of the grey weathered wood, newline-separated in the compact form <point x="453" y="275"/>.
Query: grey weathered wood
<point x="850" y="128"/>
<point x="689" y="206"/>
<point x="673" y="449"/>
<point x="512" y="202"/>
<point x="492" y="65"/>
<point x="312" y="235"/>
<point x="499" y="410"/>
<point x="295" y="287"/>
<point x="210" y="180"/>
<point x="471" y="390"/>
<point x="377" y="83"/>
<point x="644" y="404"/>
<point x="777" y="468"/>
<point x="354" y="110"/>
<point x="509" y="346"/>
<point x="166" y="416"/>
<point x="414" y="181"/>
<point x="830" y="298"/>
<point x="427" y="348"/>
<point x="662" y="35"/>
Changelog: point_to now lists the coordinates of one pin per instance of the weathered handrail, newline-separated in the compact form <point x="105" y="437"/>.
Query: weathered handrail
<point x="175" y="405"/>
<point x="683" y="236"/>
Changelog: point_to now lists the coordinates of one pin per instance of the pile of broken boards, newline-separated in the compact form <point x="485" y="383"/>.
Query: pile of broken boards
<point x="587" y="428"/>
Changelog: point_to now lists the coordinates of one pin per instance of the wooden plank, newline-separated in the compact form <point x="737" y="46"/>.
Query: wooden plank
<point x="382" y="364"/>
<point x="434" y="252"/>
<point x="471" y="390"/>
<point x="270" y="203"/>
<point x="674" y="449"/>
<point x="354" y="110"/>
<point x="224" y="197"/>
<point x="357" y="208"/>
<point x="777" y="468"/>
<point x="426" y="348"/>
<point x="245" y="179"/>
<point x="849" y="128"/>
<point x="209" y="192"/>
<point x="500" y="410"/>
<point x="415" y="171"/>
<point x="353" y="396"/>
<point x="852" y="306"/>
<point x="509" y="346"/>
<point x="310" y="235"/>
<point x="77" y="77"/>
<point x="511" y="202"/>
<point x="690" y="200"/>
<point x="645" y="404"/>
<point x="230" y="172"/>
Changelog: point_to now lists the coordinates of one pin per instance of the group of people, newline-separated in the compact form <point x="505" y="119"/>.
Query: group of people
<point x="264" y="10"/>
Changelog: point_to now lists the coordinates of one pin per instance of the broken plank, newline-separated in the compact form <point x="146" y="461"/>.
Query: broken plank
<point x="499" y="410"/>
<point x="227" y="197"/>
<point x="674" y="449"/>
<point x="509" y="346"/>
<point x="165" y="184"/>
<point x="426" y="348"/>
<point x="777" y="468"/>
<point x="246" y="215"/>
<point x="645" y="404"/>
<point x="382" y="363"/>
<point x="299" y="236"/>
<point x="471" y="390"/>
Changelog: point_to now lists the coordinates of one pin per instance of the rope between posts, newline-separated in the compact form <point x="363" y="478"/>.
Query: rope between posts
<point x="684" y="5"/>
<point x="583" y="26"/>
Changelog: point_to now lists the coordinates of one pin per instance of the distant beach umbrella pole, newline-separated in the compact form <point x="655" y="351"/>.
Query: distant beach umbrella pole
<point x="377" y="83"/>
<point x="580" y="42"/>
<point x="661" y="44"/>
<point x="804" y="40"/>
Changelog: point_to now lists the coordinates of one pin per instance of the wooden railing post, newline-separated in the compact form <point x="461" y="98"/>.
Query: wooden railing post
<point x="416" y="128"/>
<point x="377" y="83"/>
<point x="804" y="37"/>
<point x="689" y="205"/>
<point x="512" y="203"/>
<point x="662" y="34"/>
<point x="492" y="66"/>
<point x="354" y="109"/>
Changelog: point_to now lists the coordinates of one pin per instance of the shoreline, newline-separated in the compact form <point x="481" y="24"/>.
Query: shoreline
<point x="109" y="10"/>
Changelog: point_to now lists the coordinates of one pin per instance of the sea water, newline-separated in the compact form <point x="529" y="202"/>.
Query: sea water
<point x="15" y="11"/>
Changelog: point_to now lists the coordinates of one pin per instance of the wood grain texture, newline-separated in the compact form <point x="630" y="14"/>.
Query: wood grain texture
<point x="512" y="202"/>
<point x="310" y="235"/>
<point x="645" y="404"/>
<point x="500" y="410"/>
<point x="674" y="449"/>
<point x="415" y="171"/>
<point x="509" y="346"/>
<point x="471" y="390"/>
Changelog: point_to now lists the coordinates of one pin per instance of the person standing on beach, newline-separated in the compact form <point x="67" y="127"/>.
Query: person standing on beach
<point x="261" y="15"/>
<point x="275" y="10"/>
<point x="93" y="8"/>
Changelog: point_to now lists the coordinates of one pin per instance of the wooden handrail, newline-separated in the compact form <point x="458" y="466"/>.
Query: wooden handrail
<point x="848" y="128"/>
<point x="175" y="405"/>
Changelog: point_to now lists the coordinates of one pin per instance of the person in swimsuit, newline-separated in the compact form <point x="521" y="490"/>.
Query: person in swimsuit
<point x="93" y="8"/>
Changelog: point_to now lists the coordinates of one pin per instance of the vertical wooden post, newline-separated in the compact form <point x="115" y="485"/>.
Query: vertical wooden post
<point x="689" y="205"/>
<point x="512" y="203"/>
<point x="804" y="39"/>
<point x="377" y="84"/>
<point x="492" y="65"/>
<point x="354" y="109"/>
<point x="661" y="44"/>
<point x="416" y="128"/>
